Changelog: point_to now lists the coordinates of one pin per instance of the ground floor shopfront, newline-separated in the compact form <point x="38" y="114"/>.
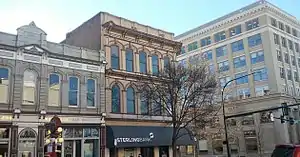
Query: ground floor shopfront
<point x="25" y="136"/>
<point x="148" y="141"/>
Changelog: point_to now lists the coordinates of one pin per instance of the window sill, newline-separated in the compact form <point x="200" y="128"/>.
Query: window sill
<point x="73" y="106"/>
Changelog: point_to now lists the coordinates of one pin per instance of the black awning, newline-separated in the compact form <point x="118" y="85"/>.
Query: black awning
<point x="144" y="136"/>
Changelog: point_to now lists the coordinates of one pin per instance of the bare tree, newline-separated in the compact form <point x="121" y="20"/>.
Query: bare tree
<point x="184" y="94"/>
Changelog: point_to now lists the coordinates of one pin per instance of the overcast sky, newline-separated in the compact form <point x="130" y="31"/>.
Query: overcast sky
<point x="57" y="17"/>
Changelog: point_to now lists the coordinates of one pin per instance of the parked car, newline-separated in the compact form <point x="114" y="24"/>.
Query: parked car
<point x="286" y="151"/>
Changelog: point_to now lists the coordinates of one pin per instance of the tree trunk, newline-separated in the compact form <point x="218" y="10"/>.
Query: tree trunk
<point x="174" y="149"/>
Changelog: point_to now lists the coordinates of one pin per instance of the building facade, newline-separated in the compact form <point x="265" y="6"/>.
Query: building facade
<point x="259" y="38"/>
<point x="133" y="53"/>
<point x="41" y="79"/>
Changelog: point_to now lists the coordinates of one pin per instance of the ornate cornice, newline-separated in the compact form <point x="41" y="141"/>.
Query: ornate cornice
<point x="111" y="26"/>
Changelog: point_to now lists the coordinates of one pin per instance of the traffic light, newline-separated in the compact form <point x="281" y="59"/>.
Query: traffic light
<point x="291" y="120"/>
<point x="282" y="120"/>
<point x="285" y="109"/>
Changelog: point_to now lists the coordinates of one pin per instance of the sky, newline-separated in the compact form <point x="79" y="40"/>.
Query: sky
<point x="57" y="17"/>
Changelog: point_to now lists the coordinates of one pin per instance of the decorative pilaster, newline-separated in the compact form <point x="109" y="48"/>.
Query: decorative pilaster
<point x="41" y="141"/>
<point x="14" y="141"/>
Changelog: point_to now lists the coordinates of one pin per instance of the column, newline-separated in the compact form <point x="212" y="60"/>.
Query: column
<point x="102" y="140"/>
<point x="40" y="142"/>
<point x="156" y="151"/>
<point x="281" y="133"/>
<point x="14" y="141"/>
<point x="170" y="151"/>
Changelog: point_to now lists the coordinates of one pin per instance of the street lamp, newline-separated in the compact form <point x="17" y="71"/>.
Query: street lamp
<point x="224" y="115"/>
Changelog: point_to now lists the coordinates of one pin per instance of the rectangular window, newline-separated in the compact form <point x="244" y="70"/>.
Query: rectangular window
<point x="224" y="80"/>
<point x="235" y="30"/>
<point x="183" y="50"/>
<point x="295" y="32"/>
<point x="273" y="22"/>
<point x="129" y="60"/>
<point x="244" y="93"/>
<point x="221" y="51"/>
<point x="289" y="74"/>
<point x="223" y="66"/>
<point x="261" y="90"/>
<point x="281" y="25"/>
<point x="207" y="55"/>
<point x="239" y="62"/>
<point x="279" y="56"/>
<point x="54" y="90"/>
<point x="143" y="62"/>
<point x="237" y="46"/>
<point x="212" y="68"/>
<point x="220" y="36"/>
<point x="192" y="46"/>
<point x="73" y="91"/>
<point x="283" y="42"/>
<point x="91" y="90"/>
<point x="282" y="72"/>
<point x="291" y="45"/>
<point x="297" y="48"/>
<point x="254" y="40"/>
<point x="4" y="84"/>
<point x="296" y="77"/>
<point x="286" y="58"/>
<point x="257" y="57"/>
<point x="261" y="75"/>
<point x="243" y="78"/>
<point x="293" y="60"/>
<point x="206" y="41"/>
<point x="254" y="23"/>
<point x="288" y="29"/>
<point x="276" y="39"/>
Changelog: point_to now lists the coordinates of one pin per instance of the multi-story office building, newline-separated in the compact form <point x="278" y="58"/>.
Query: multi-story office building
<point x="41" y="79"/>
<point x="258" y="38"/>
<point x="133" y="51"/>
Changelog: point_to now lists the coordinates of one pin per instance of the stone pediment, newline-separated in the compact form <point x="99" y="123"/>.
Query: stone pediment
<point x="35" y="49"/>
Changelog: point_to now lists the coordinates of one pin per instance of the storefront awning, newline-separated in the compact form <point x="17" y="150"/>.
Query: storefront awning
<point x="144" y="136"/>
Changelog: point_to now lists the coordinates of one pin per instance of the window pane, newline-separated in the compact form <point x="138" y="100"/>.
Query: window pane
<point x="143" y="62"/>
<point x="68" y="148"/>
<point x="129" y="60"/>
<point x="130" y="101"/>
<point x="3" y="73"/>
<point x="114" y="50"/>
<point x="115" y="99"/>
<point x="73" y="83"/>
<point x="91" y="148"/>
<point x="166" y="62"/>
<point x="144" y="105"/>
<point x="155" y="64"/>
<point x="91" y="85"/>
<point x="54" y="90"/>
<point x="73" y="98"/>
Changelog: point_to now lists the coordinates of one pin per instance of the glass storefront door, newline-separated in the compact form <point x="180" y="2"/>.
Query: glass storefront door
<point x="147" y="151"/>
<point x="27" y="143"/>
<point x="130" y="152"/>
<point x="81" y="142"/>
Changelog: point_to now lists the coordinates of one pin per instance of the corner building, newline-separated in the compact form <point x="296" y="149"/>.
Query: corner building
<point x="258" y="38"/>
<point x="41" y="79"/>
<point x="132" y="50"/>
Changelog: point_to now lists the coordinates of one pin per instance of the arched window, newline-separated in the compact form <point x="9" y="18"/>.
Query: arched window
<point x="115" y="99"/>
<point x="166" y="62"/>
<point x="130" y="100"/>
<point x="143" y="62"/>
<point x="27" y="142"/>
<point x="91" y="92"/>
<point x="115" y="58"/>
<point x="4" y="83"/>
<point x="155" y="66"/>
<point x="129" y="60"/>
<point x="144" y="104"/>
<point x="73" y="91"/>
<point x="29" y="87"/>
<point x="54" y="90"/>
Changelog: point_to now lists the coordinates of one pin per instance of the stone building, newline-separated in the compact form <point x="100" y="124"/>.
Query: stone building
<point x="258" y="38"/>
<point x="132" y="51"/>
<point x="40" y="79"/>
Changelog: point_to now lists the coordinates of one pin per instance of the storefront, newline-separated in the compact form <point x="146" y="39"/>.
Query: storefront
<point x="149" y="141"/>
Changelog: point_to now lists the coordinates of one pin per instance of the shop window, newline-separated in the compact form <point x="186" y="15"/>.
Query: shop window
<point x="115" y="57"/>
<point x="81" y="139"/>
<point x="130" y="100"/>
<point x="129" y="60"/>
<point x="115" y="99"/>
<point x="73" y="91"/>
<point x="143" y="62"/>
<point x="54" y="90"/>
<point x="4" y="138"/>
<point x="155" y="66"/>
<point x="248" y="120"/>
<point x="130" y="152"/>
<point x="29" y="87"/>
<point x="4" y="84"/>
<point x="91" y="92"/>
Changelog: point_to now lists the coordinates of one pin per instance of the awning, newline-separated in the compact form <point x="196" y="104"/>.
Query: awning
<point x="144" y="136"/>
